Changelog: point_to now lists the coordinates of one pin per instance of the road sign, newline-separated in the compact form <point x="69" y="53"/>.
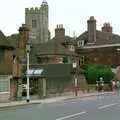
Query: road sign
<point x="34" y="72"/>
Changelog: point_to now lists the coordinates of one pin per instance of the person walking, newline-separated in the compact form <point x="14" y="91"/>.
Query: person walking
<point x="118" y="85"/>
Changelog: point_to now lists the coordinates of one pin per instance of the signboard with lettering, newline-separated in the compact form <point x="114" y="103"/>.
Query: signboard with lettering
<point x="34" y="72"/>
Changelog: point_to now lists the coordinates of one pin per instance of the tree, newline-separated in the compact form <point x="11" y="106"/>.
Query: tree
<point x="93" y="72"/>
<point x="107" y="74"/>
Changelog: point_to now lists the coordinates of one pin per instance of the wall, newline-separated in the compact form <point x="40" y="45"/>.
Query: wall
<point x="13" y="89"/>
<point x="6" y="65"/>
<point x="106" y="56"/>
<point x="4" y="96"/>
<point x="40" y="33"/>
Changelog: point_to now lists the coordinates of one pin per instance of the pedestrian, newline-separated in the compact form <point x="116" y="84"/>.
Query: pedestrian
<point x="118" y="85"/>
<point x="113" y="85"/>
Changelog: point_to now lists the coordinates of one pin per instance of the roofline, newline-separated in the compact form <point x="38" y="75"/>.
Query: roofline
<point x="100" y="46"/>
<point x="54" y="54"/>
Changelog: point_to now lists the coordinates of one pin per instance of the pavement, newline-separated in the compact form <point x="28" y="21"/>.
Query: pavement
<point x="50" y="100"/>
<point x="91" y="106"/>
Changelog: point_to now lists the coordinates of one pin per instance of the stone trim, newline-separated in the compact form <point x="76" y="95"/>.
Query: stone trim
<point x="101" y="46"/>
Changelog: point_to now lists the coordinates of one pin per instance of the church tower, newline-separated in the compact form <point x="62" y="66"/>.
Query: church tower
<point x="37" y="21"/>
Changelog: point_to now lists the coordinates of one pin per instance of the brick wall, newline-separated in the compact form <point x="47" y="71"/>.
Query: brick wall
<point x="13" y="89"/>
<point x="101" y="55"/>
<point x="4" y="96"/>
<point x="6" y="65"/>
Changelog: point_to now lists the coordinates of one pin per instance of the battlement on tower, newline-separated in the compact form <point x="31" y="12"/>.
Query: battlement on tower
<point x="33" y="10"/>
<point x="37" y="20"/>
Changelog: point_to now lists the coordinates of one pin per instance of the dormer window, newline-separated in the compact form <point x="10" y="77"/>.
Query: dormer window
<point x="71" y="48"/>
<point x="80" y="43"/>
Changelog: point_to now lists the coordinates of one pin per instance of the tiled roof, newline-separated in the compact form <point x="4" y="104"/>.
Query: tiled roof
<point x="102" y="38"/>
<point x="3" y="41"/>
<point x="64" y="39"/>
<point x="13" y="39"/>
<point x="52" y="47"/>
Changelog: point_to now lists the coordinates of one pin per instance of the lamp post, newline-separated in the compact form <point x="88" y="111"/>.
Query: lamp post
<point x="117" y="56"/>
<point x="75" y="78"/>
<point x="27" y="53"/>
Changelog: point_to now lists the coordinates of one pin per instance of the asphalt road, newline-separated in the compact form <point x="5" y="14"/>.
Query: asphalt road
<point x="105" y="107"/>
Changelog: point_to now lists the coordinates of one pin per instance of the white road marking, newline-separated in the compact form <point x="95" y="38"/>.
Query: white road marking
<point x="70" y="116"/>
<point x="75" y="102"/>
<point x="105" y="106"/>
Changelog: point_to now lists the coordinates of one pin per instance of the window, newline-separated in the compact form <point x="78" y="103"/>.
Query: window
<point x="84" y="60"/>
<point x="71" y="48"/>
<point x="39" y="60"/>
<point x="34" y="23"/>
<point x="1" y="55"/>
<point x="65" y="59"/>
<point x="60" y="60"/>
<point x="80" y="43"/>
<point x="4" y="83"/>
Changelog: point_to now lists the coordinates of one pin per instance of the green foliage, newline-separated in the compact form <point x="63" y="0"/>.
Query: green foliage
<point x="65" y="59"/>
<point x="84" y="66"/>
<point x="93" y="72"/>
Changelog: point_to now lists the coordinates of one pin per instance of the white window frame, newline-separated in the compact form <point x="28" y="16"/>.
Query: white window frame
<point x="71" y="48"/>
<point x="80" y="43"/>
<point x="4" y="83"/>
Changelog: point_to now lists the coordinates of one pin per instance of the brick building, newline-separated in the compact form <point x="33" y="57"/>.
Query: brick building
<point x="6" y="59"/>
<point x="58" y="51"/>
<point x="92" y="46"/>
<point x="100" y="47"/>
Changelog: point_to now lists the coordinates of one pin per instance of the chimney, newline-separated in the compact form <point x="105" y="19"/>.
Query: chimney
<point x="23" y="38"/>
<point x="107" y="28"/>
<point x="59" y="31"/>
<point x="91" y="26"/>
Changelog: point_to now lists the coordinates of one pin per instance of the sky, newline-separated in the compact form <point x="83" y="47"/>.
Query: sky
<point x="73" y="14"/>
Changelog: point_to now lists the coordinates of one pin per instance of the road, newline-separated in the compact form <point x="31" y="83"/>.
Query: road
<point x="105" y="107"/>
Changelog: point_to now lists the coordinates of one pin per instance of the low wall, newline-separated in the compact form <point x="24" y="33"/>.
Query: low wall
<point x="4" y="96"/>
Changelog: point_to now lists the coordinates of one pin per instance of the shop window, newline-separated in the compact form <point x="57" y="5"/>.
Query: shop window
<point x="4" y="84"/>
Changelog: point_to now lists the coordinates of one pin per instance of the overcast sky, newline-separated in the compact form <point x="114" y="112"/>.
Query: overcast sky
<point x="73" y="14"/>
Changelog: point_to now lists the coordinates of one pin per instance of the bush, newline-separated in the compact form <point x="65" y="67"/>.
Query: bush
<point x="93" y="72"/>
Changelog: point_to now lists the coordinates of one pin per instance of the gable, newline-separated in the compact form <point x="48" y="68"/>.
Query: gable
<point x="3" y="41"/>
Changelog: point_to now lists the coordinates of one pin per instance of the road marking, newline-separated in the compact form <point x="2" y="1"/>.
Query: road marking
<point x="70" y="116"/>
<point x="105" y="106"/>
<point x="75" y="102"/>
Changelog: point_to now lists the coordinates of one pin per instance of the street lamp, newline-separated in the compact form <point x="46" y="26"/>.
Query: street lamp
<point x="27" y="53"/>
<point x="117" y="56"/>
<point x="75" y="78"/>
